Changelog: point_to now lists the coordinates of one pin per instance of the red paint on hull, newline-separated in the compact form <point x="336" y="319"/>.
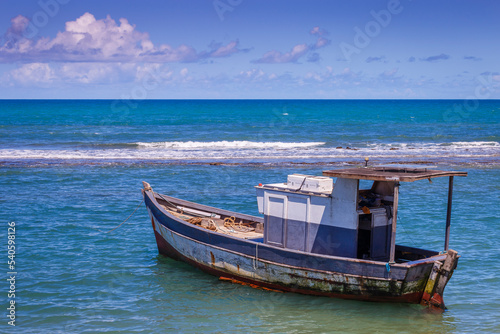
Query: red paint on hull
<point x="165" y="249"/>
<point x="232" y="280"/>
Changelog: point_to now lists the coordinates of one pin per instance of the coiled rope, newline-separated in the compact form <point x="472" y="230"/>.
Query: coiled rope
<point x="231" y="224"/>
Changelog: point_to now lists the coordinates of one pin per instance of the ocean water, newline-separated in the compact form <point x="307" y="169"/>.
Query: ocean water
<point x="71" y="172"/>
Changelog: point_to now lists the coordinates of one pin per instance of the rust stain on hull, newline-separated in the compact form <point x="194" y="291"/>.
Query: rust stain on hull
<point x="255" y="286"/>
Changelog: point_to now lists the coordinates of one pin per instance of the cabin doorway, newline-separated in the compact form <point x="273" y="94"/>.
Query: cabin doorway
<point x="275" y="221"/>
<point x="364" y="236"/>
<point x="374" y="234"/>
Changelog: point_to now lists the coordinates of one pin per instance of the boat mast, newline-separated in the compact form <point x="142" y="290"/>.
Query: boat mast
<point x="394" y="221"/>
<point x="448" y="214"/>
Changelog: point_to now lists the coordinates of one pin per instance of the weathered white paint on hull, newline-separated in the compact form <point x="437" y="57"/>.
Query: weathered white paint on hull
<point x="238" y="265"/>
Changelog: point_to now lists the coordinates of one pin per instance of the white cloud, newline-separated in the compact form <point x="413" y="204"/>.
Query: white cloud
<point x="33" y="74"/>
<point x="390" y="73"/>
<point x="321" y="42"/>
<point x="318" y="31"/>
<point x="102" y="38"/>
<point x="152" y="72"/>
<point x="90" y="40"/>
<point x="299" y="50"/>
<point x="273" y="57"/>
<point x="251" y="75"/>
<point x="87" y="73"/>
<point x="225" y="50"/>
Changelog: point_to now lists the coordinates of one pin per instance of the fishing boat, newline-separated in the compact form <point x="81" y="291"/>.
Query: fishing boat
<point x="317" y="236"/>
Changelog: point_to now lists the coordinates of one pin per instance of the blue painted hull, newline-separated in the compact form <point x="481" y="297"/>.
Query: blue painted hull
<point x="273" y="267"/>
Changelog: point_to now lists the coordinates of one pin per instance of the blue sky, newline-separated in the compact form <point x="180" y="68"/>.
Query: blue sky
<point x="249" y="49"/>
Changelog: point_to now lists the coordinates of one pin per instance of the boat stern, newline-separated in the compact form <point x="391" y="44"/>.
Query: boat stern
<point x="440" y="275"/>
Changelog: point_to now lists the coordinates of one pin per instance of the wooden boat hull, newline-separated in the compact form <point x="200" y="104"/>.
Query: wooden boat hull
<point x="272" y="267"/>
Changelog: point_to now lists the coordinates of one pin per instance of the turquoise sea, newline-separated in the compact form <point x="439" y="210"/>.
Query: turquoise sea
<point x="71" y="172"/>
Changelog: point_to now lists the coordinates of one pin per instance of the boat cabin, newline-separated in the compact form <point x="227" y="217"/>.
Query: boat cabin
<point x="317" y="215"/>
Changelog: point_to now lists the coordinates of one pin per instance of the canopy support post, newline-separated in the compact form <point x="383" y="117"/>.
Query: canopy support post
<point x="448" y="214"/>
<point x="394" y="222"/>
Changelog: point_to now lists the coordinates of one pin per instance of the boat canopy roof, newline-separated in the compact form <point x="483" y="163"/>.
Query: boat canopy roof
<point x="390" y="173"/>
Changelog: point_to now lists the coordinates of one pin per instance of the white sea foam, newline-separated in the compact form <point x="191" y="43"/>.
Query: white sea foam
<point x="476" y="144"/>
<point x="225" y="150"/>
<point x="195" y="145"/>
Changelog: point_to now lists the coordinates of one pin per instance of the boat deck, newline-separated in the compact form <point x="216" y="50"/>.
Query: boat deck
<point x="229" y="225"/>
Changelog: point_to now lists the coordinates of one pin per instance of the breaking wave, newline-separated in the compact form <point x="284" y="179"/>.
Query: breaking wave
<point x="196" y="145"/>
<point x="261" y="151"/>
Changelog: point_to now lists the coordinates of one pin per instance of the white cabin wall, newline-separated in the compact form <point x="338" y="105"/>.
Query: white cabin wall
<point x="344" y="204"/>
<point x="312" y="222"/>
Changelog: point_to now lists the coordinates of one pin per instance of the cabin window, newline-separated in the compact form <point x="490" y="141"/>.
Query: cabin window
<point x="374" y="194"/>
<point x="365" y="184"/>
